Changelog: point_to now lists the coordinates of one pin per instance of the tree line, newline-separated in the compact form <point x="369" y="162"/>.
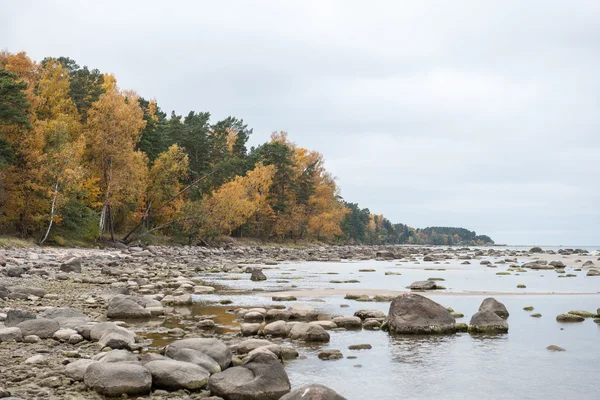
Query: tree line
<point x="82" y="159"/>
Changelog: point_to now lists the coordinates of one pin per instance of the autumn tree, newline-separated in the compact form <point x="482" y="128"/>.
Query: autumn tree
<point x="113" y="128"/>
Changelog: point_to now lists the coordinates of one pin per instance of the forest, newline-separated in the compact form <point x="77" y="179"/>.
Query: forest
<point x="83" y="161"/>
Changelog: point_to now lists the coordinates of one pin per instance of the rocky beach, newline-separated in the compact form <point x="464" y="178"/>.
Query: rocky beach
<point x="236" y="322"/>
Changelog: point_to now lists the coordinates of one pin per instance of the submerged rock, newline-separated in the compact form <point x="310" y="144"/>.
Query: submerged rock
<point x="569" y="318"/>
<point x="412" y="313"/>
<point x="555" y="348"/>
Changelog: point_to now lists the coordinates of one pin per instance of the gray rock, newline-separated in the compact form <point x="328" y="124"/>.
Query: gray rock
<point x="8" y="334"/>
<point x="261" y="377"/>
<point x="348" y="322"/>
<point x="213" y="348"/>
<point x="495" y="306"/>
<point x="111" y="335"/>
<point x="71" y="265"/>
<point x="364" y="314"/>
<point x="175" y="375"/>
<point x="258" y="275"/>
<point x="41" y="327"/>
<point x="423" y="285"/>
<point x="486" y="321"/>
<point x="330" y="354"/>
<point x="312" y="392"/>
<point x="197" y="357"/>
<point x="66" y="317"/>
<point x="116" y="356"/>
<point x="412" y="313"/>
<point x="122" y="306"/>
<point x="15" y="271"/>
<point x="277" y="328"/>
<point x="249" y="329"/>
<point x="116" y="379"/>
<point x="76" y="369"/>
<point x="308" y="333"/>
<point x="15" y="317"/>
<point x="249" y="345"/>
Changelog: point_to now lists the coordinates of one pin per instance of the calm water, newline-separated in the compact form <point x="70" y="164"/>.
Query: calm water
<point x="515" y="365"/>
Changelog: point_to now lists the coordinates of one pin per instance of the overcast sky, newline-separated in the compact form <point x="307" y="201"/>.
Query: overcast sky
<point x="478" y="114"/>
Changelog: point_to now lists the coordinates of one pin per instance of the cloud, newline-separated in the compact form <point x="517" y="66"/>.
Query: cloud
<point x="466" y="113"/>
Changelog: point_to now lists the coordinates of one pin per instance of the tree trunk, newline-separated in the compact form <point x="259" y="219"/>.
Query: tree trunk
<point x="51" y="212"/>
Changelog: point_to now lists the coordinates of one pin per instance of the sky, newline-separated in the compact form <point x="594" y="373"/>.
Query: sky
<point x="484" y="115"/>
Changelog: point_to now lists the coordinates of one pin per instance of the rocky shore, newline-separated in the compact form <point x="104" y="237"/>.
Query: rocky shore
<point x="90" y="323"/>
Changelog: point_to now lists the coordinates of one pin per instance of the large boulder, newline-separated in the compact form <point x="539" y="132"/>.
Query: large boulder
<point x="277" y="328"/>
<point x="76" y="369"/>
<point x="71" y="265"/>
<point x="175" y="375"/>
<point x="312" y="392"/>
<point x="116" y="356"/>
<point x="213" y="348"/>
<point x="122" y="306"/>
<point x="108" y="334"/>
<point x="261" y="377"/>
<point x="66" y="317"/>
<point x="40" y="327"/>
<point x="308" y="333"/>
<point x="348" y="322"/>
<point x="412" y="313"/>
<point x="302" y="312"/>
<point x="196" y="357"/>
<point x="491" y="304"/>
<point x="117" y="379"/>
<point x="487" y="321"/>
<point x="15" y="317"/>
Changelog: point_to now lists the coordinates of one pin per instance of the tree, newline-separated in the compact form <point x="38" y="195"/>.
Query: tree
<point x="13" y="110"/>
<point x="114" y="128"/>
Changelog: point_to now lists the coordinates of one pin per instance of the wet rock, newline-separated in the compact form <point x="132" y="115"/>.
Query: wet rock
<point x="491" y="304"/>
<point x="584" y="314"/>
<point x="213" y="348"/>
<point x="302" y="312"/>
<point x="412" y="313"/>
<point x="325" y="324"/>
<point x="116" y="379"/>
<point x="288" y="353"/>
<point x="365" y="346"/>
<point x="372" y="324"/>
<point x="258" y="275"/>
<point x="364" y="314"/>
<point x="423" y="285"/>
<point x="8" y="334"/>
<point x="284" y="298"/>
<point x="557" y="264"/>
<point x="569" y="318"/>
<point x="330" y="354"/>
<point x="198" y="358"/>
<point x="593" y="272"/>
<point x="254" y="316"/>
<point x="175" y="375"/>
<point x="308" y="333"/>
<point x="262" y="376"/>
<point x="487" y="321"/>
<point x="350" y="323"/>
<point x="15" y="317"/>
<point x="41" y="327"/>
<point x="76" y="369"/>
<point x="278" y="315"/>
<point x="536" y="250"/>
<point x="555" y="348"/>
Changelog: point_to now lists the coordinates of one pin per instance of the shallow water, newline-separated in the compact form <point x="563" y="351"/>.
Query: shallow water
<point x="514" y="365"/>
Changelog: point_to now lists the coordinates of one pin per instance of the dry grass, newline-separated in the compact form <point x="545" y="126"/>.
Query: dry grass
<point x="7" y="241"/>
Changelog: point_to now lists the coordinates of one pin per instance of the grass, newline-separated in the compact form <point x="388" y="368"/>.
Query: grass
<point x="7" y="241"/>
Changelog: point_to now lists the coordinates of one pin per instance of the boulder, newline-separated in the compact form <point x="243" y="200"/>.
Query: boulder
<point x="330" y="354"/>
<point x="303" y="312"/>
<point x="15" y="317"/>
<point x="249" y="329"/>
<point x="491" y="304"/>
<point x="277" y="328"/>
<point x="76" y="369"/>
<point x="312" y="392"/>
<point x="487" y="321"/>
<point x="557" y="264"/>
<point x="71" y="265"/>
<point x="123" y="307"/>
<point x="422" y="285"/>
<point x="8" y="334"/>
<point x="116" y="356"/>
<point x="213" y="348"/>
<point x="14" y="271"/>
<point x="569" y="318"/>
<point x="348" y="322"/>
<point x="66" y="317"/>
<point x="175" y="375"/>
<point x="111" y="335"/>
<point x="412" y="313"/>
<point x="64" y="334"/>
<point x="258" y="275"/>
<point x="536" y="250"/>
<point x="249" y="345"/>
<point x="364" y="314"/>
<point x="593" y="272"/>
<point x="117" y="379"/>
<point x="198" y="358"/>
<point x="308" y="333"/>
<point x="40" y="327"/>
<point x="261" y="377"/>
